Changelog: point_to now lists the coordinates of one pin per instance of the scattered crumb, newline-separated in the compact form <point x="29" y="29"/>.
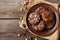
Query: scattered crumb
<point x="26" y="39"/>
<point x="21" y="9"/>
<point x="21" y="18"/>
<point x="24" y="3"/>
<point x="36" y="39"/>
<point x="19" y="22"/>
<point x="18" y="35"/>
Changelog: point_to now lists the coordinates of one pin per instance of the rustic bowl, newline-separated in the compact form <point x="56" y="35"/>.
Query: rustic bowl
<point x="47" y="33"/>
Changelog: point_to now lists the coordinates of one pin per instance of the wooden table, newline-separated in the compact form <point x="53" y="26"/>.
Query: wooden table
<point x="9" y="18"/>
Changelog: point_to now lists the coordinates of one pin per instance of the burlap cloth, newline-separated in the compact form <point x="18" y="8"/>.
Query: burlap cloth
<point x="55" y="35"/>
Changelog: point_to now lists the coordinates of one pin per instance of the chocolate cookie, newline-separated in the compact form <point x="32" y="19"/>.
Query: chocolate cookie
<point x="39" y="27"/>
<point x="40" y="10"/>
<point x="33" y="18"/>
<point x="47" y="16"/>
<point x="50" y="25"/>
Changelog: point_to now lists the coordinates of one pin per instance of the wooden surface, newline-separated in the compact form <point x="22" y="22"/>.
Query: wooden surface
<point x="9" y="18"/>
